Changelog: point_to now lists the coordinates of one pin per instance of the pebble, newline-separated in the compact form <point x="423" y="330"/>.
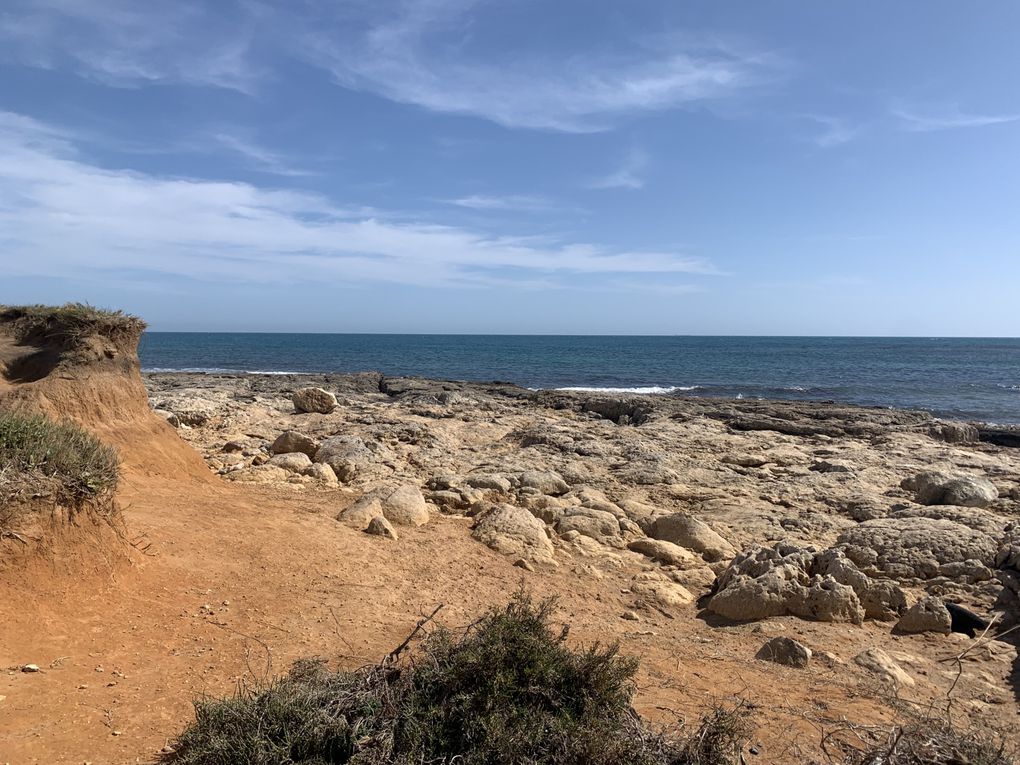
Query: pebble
<point x="30" y="668"/>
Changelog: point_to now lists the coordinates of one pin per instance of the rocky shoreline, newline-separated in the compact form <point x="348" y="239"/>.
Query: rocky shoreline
<point x="750" y="509"/>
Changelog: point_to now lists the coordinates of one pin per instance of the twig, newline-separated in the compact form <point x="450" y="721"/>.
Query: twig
<point x="392" y="655"/>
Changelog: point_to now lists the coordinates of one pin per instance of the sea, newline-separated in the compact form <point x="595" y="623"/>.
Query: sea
<point x="954" y="378"/>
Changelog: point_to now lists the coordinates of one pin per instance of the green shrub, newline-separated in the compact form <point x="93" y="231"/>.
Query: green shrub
<point x="506" y="691"/>
<point x="69" y="324"/>
<point x="74" y="463"/>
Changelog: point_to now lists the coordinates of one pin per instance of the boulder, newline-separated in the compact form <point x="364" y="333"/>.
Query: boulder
<point x="665" y="552"/>
<point x="322" y="472"/>
<point x="597" y="524"/>
<point x="939" y="488"/>
<point x="405" y="505"/>
<point x="694" y="534"/>
<point x="360" y="514"/>
<point x="881" y="599"/>
<point x="547" y="482"/>
<point x="347" y="455"/>
<point x="912" y="549"/>
<point x="665" y="592"/>
<point x="381" y="527"/>
<point x="292" y="441"/>
<point x="314" y="400"/>
<point x="295" y="462"/>
<point x="880" y="663"/>
<point x="927" y="615"/>
<point x="785" y="651"/>
<point x="513" y="531"/>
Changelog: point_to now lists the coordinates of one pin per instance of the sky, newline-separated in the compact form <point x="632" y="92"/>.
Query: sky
<point x="848" y="167"/>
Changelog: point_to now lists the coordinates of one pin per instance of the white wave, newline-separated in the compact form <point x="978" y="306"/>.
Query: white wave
<point x="646" y="390"/>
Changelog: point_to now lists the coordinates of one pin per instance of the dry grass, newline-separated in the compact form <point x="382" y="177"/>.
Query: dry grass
<point x="38" y="455"/>
<point x="506" y="690"/>
<point x="934" y="742"/>
<point x="68" y="325"/>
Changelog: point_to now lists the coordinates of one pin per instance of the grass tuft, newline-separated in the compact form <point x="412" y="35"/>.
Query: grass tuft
<point x="35" y="450"/>
<point x="506" y="690"/>
<point x="68" y="325"/>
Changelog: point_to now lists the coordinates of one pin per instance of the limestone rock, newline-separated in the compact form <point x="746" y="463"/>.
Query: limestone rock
<point x="513" y="531"/>
<point x="880" y="663"/>
<point x="360" y="514"/>
<point x="785" y="651"/>
<point x="292" y="441"/>
<point x="405" y="506"/>
<point x="322" y="472"/>
<point x="914" y="548"/>
<point x="295" y="462"/>
<point x="661" y="589"/>
<point x="488" y="482"/>
<point x="954" y="432"/>
<point x="347" y="455"/>
<point x="665" y="552"/>
<point x="589" y="522"/>
<point x="762" y="582"/>
<point x="694" y="534"/>
<point x="546" y="481"/>
<point x="935" y="487"/>
<point x="927" y="615"/>
<point x="314" y="400"/>
<point x="381" y="527"/>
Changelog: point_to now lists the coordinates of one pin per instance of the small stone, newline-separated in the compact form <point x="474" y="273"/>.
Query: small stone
<point x="878" y="661"/>
<point x="30" y="668"/>
<point x="525" y="564"/>
<point x="630" y="616"/>
<point x="314" y="400"/>
<point x="785" y="651"/>
<point x="381" y="527"/>
<point x="116" y="733"/>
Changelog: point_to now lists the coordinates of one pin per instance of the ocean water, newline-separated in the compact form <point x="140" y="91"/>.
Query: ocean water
<point x="964" y="378"/>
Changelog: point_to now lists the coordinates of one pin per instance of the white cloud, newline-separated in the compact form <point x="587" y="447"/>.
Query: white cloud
<point x="127" y="43"/>
<point x="627" y="176"/>
<point x="60" y="214"/>
<point x="419" y="54"/>
<point x="508" y="203"/>
<point x="834" y="131"/>
<point x="948" y="120"/>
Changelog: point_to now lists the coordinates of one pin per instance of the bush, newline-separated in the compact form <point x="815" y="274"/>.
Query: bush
<point x="506" y="690"/>
<point x="76" y="465"/>
<point x="69" y="324"/>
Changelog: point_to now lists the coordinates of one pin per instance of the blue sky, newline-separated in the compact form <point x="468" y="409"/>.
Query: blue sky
<point x="578" y="166"/>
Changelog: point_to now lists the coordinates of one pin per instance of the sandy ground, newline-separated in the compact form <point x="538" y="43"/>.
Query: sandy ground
<point x="238" y="581"/>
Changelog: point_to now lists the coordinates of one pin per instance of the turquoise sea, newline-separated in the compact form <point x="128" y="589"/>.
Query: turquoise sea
<point x="964" y="378"/>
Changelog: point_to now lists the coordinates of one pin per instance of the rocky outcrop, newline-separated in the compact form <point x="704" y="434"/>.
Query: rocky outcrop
<point x="294" y="462"/>
<point x="881" y="664"/>
<point x="788" y="580"/>
<point x="918" y="549"/>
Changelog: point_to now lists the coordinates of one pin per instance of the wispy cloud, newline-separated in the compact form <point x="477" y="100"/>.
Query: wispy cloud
<point x="627" y="176"/>
<point x="233" y="232"/>
<point x="420" y="53"/>
<point x="126" y="44"/>
<point x="508" y="203"/>
<point x="950" y="119"/>
<point x="834" y="131"/>
<point x="260" y="157"/>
